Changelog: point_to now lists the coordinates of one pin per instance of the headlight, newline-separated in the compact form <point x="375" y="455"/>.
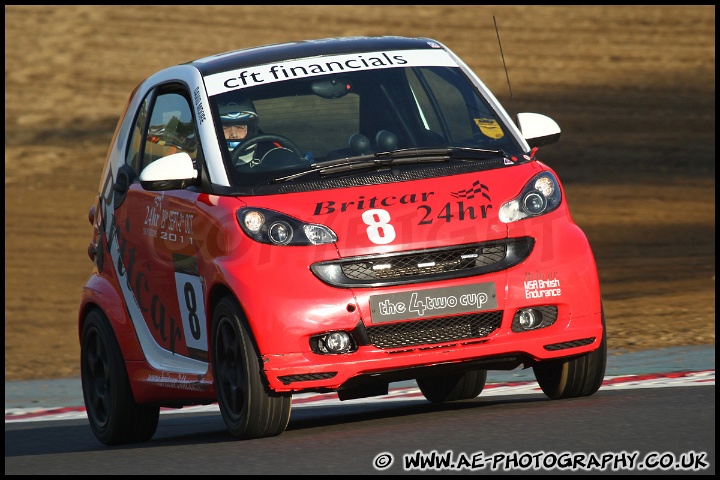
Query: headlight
<point x="280" y="233"/>
<point x="540" y="196"/>
<point x="275" y="228"/>
<point x="534" y="203"/>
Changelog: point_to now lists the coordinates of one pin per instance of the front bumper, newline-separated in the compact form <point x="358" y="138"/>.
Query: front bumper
<point x="312" y="372"/>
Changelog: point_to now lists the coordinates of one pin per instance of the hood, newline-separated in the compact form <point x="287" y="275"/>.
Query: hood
<point x="411" y="215"/>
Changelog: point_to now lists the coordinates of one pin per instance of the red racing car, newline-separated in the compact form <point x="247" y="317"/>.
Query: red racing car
<point x="327" y="216"/>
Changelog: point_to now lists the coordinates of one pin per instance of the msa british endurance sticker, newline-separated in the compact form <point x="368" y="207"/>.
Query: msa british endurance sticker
<point x="542" y="285"/>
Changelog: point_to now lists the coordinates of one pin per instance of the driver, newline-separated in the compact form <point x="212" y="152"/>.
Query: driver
<point x="240" y="123"/>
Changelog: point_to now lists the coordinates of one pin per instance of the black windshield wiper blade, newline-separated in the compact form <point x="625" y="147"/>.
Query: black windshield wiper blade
<point x="405" y="156"/>
<point x="384" y="159"/>
<point x="472" y="153"/>
<point x="319" y="166"/>
<point x="395" y="157"/>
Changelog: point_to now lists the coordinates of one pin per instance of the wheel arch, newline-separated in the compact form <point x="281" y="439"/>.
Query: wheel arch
<point x="217" y="293"/>
<point x="99" y="294"/>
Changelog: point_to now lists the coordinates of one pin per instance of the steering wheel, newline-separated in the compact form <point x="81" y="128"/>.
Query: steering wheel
<point x="264" y="137"/>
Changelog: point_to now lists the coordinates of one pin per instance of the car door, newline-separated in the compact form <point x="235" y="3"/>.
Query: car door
<point x="156" y="238"/>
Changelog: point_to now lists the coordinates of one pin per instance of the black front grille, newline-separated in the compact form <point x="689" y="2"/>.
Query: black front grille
<point x="434" y="330"/>
<point x="424" y="265"/>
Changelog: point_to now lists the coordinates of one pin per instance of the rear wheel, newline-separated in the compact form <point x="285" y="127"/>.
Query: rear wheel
<point x="574" y="377"/>
<point x="455" y="386"/>
<point x="248" y="407"/>
<point x="115" y="418"/>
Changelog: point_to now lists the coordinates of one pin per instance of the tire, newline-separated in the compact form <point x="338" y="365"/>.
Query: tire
<point x="115" y="418"/>
<point x="248" y="408"/>
<point x="574" y="377"/>
<point x="452" y="387"/>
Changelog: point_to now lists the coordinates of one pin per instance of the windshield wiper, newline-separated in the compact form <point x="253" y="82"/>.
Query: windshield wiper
<point x="395" y="157"/>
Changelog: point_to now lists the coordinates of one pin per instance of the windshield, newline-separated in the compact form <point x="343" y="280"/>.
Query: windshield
<point x="296" y="125"/>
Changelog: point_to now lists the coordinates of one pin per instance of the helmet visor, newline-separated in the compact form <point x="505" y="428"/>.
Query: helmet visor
<point x="238" y="118"/>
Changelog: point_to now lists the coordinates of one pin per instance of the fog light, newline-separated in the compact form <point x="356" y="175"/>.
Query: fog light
<point x="529" y="318"/>
<point x="333" y="343"/>
<point x="338" y="342"/>
<point x="532" y="318"/>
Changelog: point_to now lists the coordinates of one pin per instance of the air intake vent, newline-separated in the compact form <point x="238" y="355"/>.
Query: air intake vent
<point x="434" y="330"/>
<point x="573" y="344"/>
<point x="308" y="377"/>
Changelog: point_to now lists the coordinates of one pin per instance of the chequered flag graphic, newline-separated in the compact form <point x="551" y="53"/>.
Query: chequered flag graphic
<point x="469" y="194"/>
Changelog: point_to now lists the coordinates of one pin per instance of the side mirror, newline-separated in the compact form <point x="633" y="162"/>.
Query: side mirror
<point x="538" y="129"/>
<point x="169" y="173"/>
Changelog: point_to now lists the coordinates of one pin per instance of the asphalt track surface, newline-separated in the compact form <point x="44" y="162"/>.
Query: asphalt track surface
<point x="35" y="400"/>
<point x="635" y="424"/>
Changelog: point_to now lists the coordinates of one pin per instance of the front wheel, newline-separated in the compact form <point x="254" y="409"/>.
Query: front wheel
<point x="115" y="418"/>
<point x="452" y="387"/>
<point x="249" y="409"/>
<point x="579" y="376"/>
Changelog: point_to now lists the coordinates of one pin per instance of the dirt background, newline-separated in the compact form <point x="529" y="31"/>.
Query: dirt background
<point x="632" y="87"/>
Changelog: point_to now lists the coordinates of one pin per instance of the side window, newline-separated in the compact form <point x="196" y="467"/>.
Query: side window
<point x="171" y="128"/>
